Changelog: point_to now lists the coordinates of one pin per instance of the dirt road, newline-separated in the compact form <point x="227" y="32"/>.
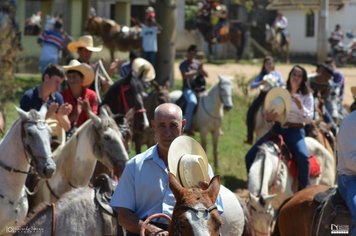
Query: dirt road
<point x="251" y="70"/>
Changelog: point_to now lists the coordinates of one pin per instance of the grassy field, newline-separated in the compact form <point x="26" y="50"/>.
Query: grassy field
<point x="231" y="146"/>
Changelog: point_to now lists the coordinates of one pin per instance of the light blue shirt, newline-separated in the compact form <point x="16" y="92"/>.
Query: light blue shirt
<point x="138" y="190"/>
<point x="255" y="83"/>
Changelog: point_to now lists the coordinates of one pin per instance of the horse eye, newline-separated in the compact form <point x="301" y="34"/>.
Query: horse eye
<point x="30" y="134"/>
<point x="107" y="137"/>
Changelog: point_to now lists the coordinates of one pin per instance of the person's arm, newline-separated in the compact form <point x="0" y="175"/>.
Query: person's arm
<point x="127" y="219"/>
<point x="62" y="116"/>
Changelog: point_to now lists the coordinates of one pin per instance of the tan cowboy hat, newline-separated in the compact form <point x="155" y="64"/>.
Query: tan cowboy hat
<point x="187" y="160"/>
<point x="280" y="100"/>
<point x="144" y="67"/>
<point x="353" y="91"/>
<point x="85" y="41"/>
<point x="83" y="68"/>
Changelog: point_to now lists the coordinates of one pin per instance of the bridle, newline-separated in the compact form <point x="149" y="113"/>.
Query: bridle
<point x="27" y="149"/>
<point x="222" y="95"/>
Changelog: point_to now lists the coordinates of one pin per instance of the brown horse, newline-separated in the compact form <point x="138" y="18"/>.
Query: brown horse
<point x="300" y="215"/>
<point x="195" y="212"/>
<point x="114" y="36"/>
<point x="230" y="32"/>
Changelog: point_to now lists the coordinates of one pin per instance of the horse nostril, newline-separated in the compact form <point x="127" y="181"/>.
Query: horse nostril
<point x="49" y="170"/>
<point x="227" y="108"/>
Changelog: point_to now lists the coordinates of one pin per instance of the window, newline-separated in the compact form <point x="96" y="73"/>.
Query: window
<point x="310" y="24"/>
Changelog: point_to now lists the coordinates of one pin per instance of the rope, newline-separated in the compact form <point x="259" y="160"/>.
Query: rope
<point x="150" y="218"/>
<point x="53" y="219"/>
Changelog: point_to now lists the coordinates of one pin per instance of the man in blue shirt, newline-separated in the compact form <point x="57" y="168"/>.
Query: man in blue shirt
<point x="47" y="92"/>
<point x="143" y="188"/>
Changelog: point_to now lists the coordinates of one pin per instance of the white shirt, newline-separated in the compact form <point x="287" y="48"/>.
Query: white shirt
<point x="149" y="38"/>
<point x="304" y="115"/>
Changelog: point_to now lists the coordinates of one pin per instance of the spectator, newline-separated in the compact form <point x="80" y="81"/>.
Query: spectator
<point x="281" y="24"/>
<point x="52" y="42"/>
<point x="47" y="93"/>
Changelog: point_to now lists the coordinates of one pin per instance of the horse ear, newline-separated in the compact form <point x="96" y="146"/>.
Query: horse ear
<point x="175" y="186"/>
<point x="268" y="199"/>
<point x="96" y="119"/>
<point x="22" y="113"/>
<point x="43" y="110"/>
<point x="214" y="188"/>
<point x="253" y="199"/>
<point x="104" y="111"/>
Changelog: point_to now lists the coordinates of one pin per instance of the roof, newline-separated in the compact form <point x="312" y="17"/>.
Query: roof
<point x="303" y="4"/>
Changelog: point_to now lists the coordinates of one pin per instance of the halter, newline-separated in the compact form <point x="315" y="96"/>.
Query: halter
<point x="27" y="149"/>
<point x="206" y="109"/>
<point x="200" y="212"/>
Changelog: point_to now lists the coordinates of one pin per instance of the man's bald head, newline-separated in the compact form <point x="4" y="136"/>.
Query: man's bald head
<point x="168" y="108"/>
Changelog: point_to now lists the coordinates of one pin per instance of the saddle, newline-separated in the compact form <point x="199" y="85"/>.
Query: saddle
<point x="332" y="215"/>
<point x="104" y="187"/>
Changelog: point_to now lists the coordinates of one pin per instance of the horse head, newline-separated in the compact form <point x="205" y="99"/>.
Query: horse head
<point x="225" y="91"/>
<point x="195" y="212"/>
<point x="93" y="25"/>
<point x="36" y="137"/>
<point x="262" y="214"/>
<point x="109" y="141"/>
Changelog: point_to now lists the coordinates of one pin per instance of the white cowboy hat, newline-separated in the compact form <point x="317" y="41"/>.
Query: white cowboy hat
<point x="144" y="69"/>
<point x="280" y="100"/>
<point x="83" y="68"/>
<point x="187" y="160"/>
<point x="85" y="41"/>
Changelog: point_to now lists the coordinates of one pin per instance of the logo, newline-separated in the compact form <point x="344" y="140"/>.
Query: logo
<point x="339" y="229"/>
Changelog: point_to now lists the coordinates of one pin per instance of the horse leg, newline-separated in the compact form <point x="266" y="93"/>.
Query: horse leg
<point x="216" y="135"/>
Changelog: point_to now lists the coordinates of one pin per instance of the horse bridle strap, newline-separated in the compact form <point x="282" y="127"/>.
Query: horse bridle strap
<point x="11" y="169"/>
<point x="200" y="212"/>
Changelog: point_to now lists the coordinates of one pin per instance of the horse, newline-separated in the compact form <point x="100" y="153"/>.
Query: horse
<point x="230" y="32"/>
<point x="98" y="139"/>
<point x="208" y="116"/>
<point x="159" y="94"/>
<point x="274" y="39"/>
<point x="25" y="149"/>
<point x="270" y="182"/>
<point x="313" y="211"/>
<point x="114" y="36"/>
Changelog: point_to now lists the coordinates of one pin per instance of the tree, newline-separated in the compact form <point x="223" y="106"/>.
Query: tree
<point x="166" y="17"/>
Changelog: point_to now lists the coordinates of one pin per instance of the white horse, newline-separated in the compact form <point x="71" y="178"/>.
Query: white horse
<point x="98" y="138"/>
<point x="209" y="114"/>
<point x="270" y="182"/>
<point x="25" y="145"/>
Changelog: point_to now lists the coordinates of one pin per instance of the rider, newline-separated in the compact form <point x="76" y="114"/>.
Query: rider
<point x="346" y="165"/>
<point x="335" y="39"/>
<point x="281" y="24"/>
<point x="221" y="14"/>
<point x="190" y="68"/>
<point x="290" y="109"/>
<point x="267" y="68"/>
<point x="148" y="173"/>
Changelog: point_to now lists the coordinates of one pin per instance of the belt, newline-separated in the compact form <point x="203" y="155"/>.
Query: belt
<point x="293" y="125"/>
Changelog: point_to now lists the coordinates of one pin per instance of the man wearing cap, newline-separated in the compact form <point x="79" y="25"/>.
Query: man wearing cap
<point x="79" y="76"/>
<point x="47" y="93"/>
<point x="143" y="188"/>
<point x="84" y="46"/>
<point x="190" y="68"/>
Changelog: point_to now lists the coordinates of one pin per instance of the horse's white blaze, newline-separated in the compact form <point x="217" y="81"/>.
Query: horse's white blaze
<point x="199" y="224"/>
<point x="267" y="161"/>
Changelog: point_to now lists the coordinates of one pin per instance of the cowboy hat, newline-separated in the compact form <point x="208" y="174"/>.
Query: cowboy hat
<point x="328" y="69"/>
<point x="144" y="69"/>
<point x="280" y="100"/>
<point x="85" y="41"/>
<point x="187" y="160"/>
<point x="85" y="69"/>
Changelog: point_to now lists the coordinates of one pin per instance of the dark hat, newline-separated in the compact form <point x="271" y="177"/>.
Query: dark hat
<point x="192" y="48"/>
<point x="327" y="68"/>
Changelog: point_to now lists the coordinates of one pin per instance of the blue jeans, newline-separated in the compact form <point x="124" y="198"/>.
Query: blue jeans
<point x="191" y="100"/>
<point x="294" y="139"/>
<point x="347" y="189"/>
<point x="151" y="57"/>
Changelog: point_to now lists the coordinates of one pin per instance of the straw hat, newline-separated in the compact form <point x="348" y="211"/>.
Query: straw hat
<point x="280" y="100"/>
<point x="83" y="68"/>
<point x="85" y="41"/>
<point x="187" y="160"/>
<point x="144" y="67"/>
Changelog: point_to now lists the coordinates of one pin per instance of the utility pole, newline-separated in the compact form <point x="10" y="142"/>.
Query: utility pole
<point x="323" y="26"/>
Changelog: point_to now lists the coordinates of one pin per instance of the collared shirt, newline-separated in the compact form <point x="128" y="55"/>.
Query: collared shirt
<point x="304" y="115"/>
<point x="87" y="94"/>
<point x="144" y="186"/>
<point x="346" y="146"/>
<point x="31" y="100"/>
